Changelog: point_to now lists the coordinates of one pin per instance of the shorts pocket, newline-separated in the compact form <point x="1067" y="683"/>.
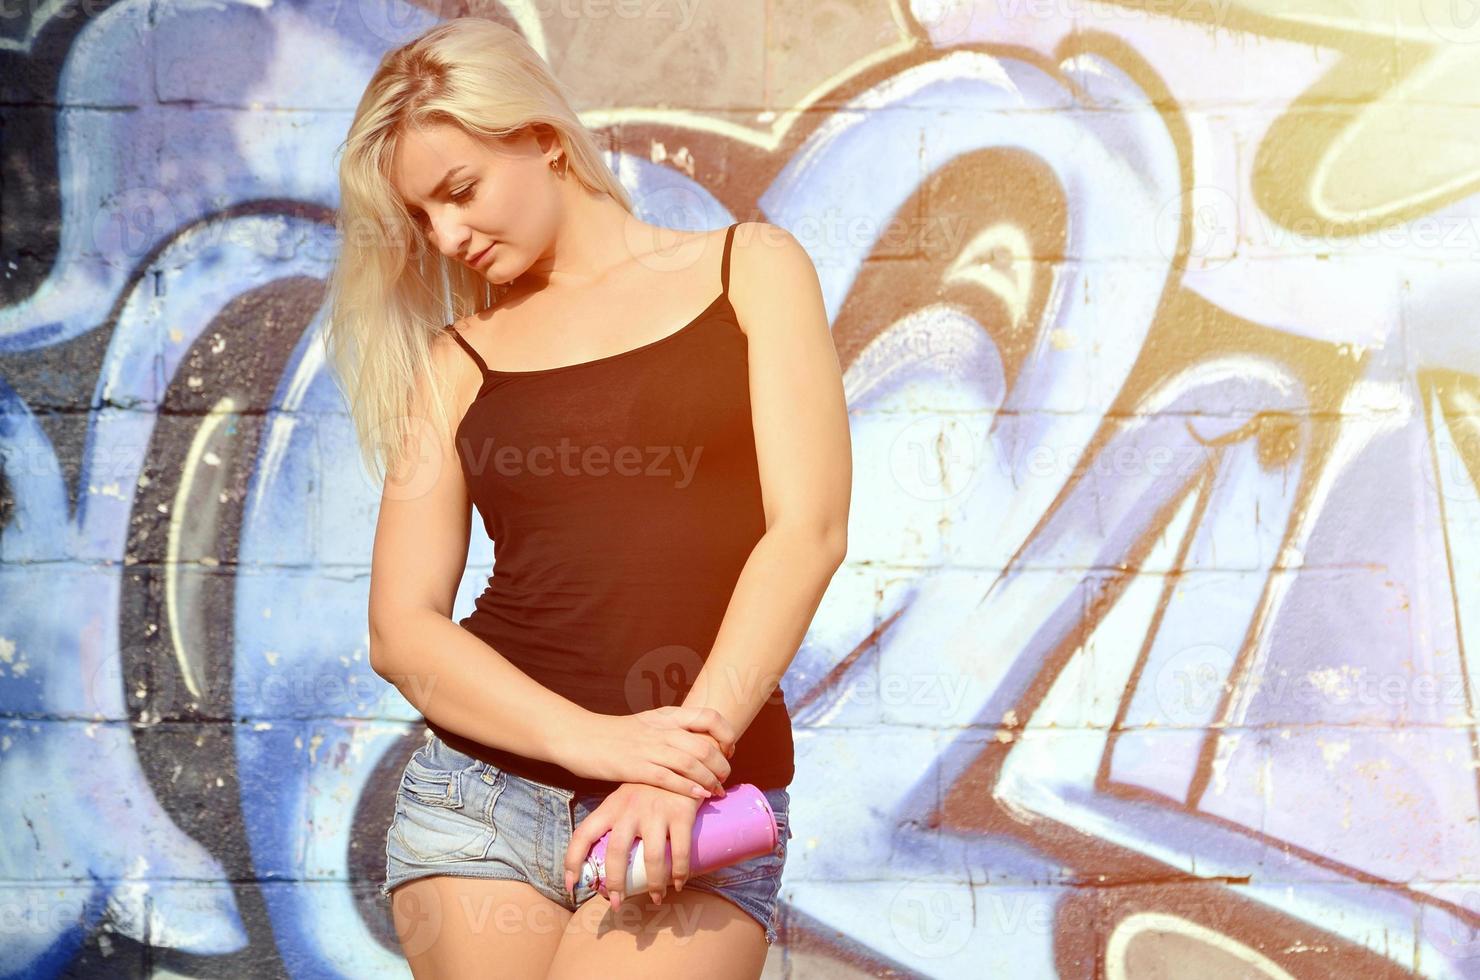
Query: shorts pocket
<point x="432" y="786"/>
<point x="433" y="822"/>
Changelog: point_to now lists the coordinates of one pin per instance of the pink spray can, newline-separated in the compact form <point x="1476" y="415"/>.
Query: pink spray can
<point x="727" y="830"/>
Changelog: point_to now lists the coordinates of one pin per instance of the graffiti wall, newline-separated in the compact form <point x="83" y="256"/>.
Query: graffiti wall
<point x="1162" y="603"/>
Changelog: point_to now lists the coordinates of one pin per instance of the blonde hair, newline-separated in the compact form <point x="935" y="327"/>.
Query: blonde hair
<point x="389" y="291"/>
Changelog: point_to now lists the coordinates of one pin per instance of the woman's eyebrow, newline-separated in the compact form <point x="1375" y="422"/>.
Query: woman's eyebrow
<point x="442" y="184"/>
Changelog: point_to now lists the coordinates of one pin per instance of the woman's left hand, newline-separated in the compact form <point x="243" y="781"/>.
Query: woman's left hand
<point x="637" y="810"/>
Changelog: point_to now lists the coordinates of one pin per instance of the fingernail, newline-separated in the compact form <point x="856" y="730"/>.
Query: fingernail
<point x="569" y="879"/>
<point x="616" y="898"/>
<point x="701" y="792"/>
<point x="678" y="886"/>
<point x="657" y="899"/>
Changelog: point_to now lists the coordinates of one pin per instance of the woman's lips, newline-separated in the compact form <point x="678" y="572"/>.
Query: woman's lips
<point x="478" y="260"/>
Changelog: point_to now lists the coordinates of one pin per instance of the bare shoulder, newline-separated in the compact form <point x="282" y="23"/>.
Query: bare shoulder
<point x="454" y="373"/>
<point x="762" y="250"/>
<point x="771" y="273"/>
<point x="446" y="351"/>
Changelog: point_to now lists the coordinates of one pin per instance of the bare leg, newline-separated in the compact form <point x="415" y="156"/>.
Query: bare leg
<point x="458" y="927"/>
<point x="692" y="933"/>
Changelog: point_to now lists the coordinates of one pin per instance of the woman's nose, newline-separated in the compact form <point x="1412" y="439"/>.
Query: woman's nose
<point x="448" y="238"/>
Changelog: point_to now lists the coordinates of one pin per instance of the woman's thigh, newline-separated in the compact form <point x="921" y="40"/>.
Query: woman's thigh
<point x="722" y="923"/>
<point x="456" y="927"/>
<point x="468" y="865"/>
<point x="692" y="933"/>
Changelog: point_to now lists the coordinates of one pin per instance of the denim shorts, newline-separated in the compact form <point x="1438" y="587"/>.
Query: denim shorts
<point x="458" y="815"/>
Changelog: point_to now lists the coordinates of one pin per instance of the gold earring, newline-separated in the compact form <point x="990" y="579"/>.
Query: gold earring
<point x="559" y="165"/>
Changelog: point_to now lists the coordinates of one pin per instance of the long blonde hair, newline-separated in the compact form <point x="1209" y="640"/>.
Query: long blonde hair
<point x="390" y="292"/>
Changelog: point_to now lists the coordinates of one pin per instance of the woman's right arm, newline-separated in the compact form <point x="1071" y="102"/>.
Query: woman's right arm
<point x="462" y="683"/>
<point x="466" y="686"/>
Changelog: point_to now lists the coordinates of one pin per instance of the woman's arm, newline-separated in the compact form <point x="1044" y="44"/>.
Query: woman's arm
<point x="421" y="548"/>
<point x="466" y="686"/>
<point x="800" y="416"/>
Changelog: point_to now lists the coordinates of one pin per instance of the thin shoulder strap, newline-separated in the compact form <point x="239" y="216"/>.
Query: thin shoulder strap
<point x="467" y="347"/>
<point x="724" y="265"/>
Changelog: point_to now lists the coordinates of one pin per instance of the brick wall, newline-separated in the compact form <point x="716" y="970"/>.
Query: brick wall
<point x="1154" y="652"/>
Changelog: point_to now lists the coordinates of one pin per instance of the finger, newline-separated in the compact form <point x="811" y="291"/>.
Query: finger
<point x="654" y="857"/>
<point x="723" y="731"/>
<point x="711" y="721"/>
<point x="681" y="838"/>
<point x="708" y="751"/>
<point x="682" y="761"/>
<point x="582" y="838"/>
<point x="702" y="758"/>
<point x="617" y="847"/>
<point x="665" y="778"/>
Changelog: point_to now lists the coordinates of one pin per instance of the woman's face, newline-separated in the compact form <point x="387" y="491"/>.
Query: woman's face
<point x="504" y="195"/>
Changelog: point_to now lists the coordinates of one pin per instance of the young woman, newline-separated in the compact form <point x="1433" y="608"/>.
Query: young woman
<point x="652" y="426"/>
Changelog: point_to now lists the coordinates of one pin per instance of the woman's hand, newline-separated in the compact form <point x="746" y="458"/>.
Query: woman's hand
<point x="682" y="750"/>
<point x="636" y="810"/>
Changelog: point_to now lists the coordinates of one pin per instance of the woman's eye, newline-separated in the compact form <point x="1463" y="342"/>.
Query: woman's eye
<point x="463" y="195"/>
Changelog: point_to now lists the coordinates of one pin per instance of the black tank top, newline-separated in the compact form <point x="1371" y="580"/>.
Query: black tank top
<point x="623" y="498"/>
